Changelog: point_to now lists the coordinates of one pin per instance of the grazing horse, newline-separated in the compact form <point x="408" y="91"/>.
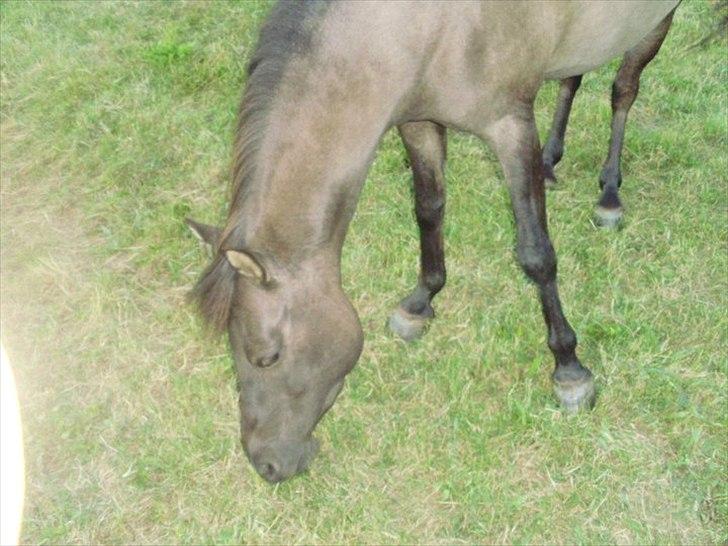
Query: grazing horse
<point x="624" y="92"/>
<point x="326" y="81"/>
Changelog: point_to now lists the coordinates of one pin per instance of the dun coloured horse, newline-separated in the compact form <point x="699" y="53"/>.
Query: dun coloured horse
<point x="326" y="81"/>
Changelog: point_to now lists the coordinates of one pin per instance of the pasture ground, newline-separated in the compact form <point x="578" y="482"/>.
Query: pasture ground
<point x="117" y="123"/>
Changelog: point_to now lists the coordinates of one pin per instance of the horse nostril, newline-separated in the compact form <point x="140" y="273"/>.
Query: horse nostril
<point x="275" y="465"/>
<point x="267" y="361"/>
<point x="268" y="470"/>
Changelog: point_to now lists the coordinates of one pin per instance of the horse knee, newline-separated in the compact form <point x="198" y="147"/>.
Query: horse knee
<point x="538" y="261"/>
<point x="429" y="212"/>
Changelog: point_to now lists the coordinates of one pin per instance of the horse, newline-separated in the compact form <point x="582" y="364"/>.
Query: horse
<point x="609" y="210"/>
<point x="325" y="82"/>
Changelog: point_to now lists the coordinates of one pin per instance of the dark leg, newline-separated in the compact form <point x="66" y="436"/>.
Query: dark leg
<point x="515" y="140"/>
<point x="554" y="148"/>
<point x="425" y="143"/>
<point x="624" y="92"/>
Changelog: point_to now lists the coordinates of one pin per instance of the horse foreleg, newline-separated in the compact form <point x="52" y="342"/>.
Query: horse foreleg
<point x="515" y="141"/>
<point x="624" y="92"/>
<point x="554" y="148"/>
<point x="425" y="143"/>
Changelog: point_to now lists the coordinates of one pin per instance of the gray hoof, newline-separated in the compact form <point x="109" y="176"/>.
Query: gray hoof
<point x="608" y="218"/>
<point x="406" y="325"/>
<point x="576" y="395"/>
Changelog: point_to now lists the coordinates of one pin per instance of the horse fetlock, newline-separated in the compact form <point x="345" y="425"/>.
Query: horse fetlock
<point x="553" y="151"/>
<point x="538" y="261"/>
<point x="433" y="282"/>
<point x="549" y="176"/>
<point x="610" y="177"/>
<point x="406" y="325"/>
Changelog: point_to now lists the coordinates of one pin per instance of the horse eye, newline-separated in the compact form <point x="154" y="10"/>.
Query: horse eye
<point x="267" y="361"/>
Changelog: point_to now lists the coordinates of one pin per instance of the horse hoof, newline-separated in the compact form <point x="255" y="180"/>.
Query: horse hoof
<point x="608" y="218"/>
<point x="406" y="325"/>
<point x="576" y="395"/>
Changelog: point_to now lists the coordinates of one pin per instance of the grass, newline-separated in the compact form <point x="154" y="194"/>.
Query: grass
<point x="117" y="122"/>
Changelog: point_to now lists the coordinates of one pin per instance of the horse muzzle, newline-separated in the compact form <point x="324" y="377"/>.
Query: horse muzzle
<point x="278" y="463"/>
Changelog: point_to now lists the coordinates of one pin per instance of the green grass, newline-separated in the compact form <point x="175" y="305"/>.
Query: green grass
<point x="117" y="122"/>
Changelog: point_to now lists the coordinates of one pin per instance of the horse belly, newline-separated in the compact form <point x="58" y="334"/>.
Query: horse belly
<point x="599" y="31"/>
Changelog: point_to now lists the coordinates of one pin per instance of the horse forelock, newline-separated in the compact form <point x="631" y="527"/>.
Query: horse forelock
<point x="214" y="293"/>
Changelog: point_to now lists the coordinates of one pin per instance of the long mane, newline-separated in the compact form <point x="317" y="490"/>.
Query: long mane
<point x="286" y="33"/>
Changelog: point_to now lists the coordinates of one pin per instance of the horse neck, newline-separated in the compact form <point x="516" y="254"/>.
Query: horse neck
<point x="319" y="141"/>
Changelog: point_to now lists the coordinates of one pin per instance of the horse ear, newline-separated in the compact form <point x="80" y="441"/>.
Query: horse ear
<point x="246" y="265"/>
<point x="206" y="234"/>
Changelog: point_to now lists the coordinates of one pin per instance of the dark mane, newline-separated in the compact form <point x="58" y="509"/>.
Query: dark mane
<point x="286" y="33"/>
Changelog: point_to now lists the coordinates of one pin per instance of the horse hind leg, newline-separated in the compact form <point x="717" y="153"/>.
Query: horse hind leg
<point x="425" y="143"/>
<point x="554" y="148"/>
<point x="624" y="92"/>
